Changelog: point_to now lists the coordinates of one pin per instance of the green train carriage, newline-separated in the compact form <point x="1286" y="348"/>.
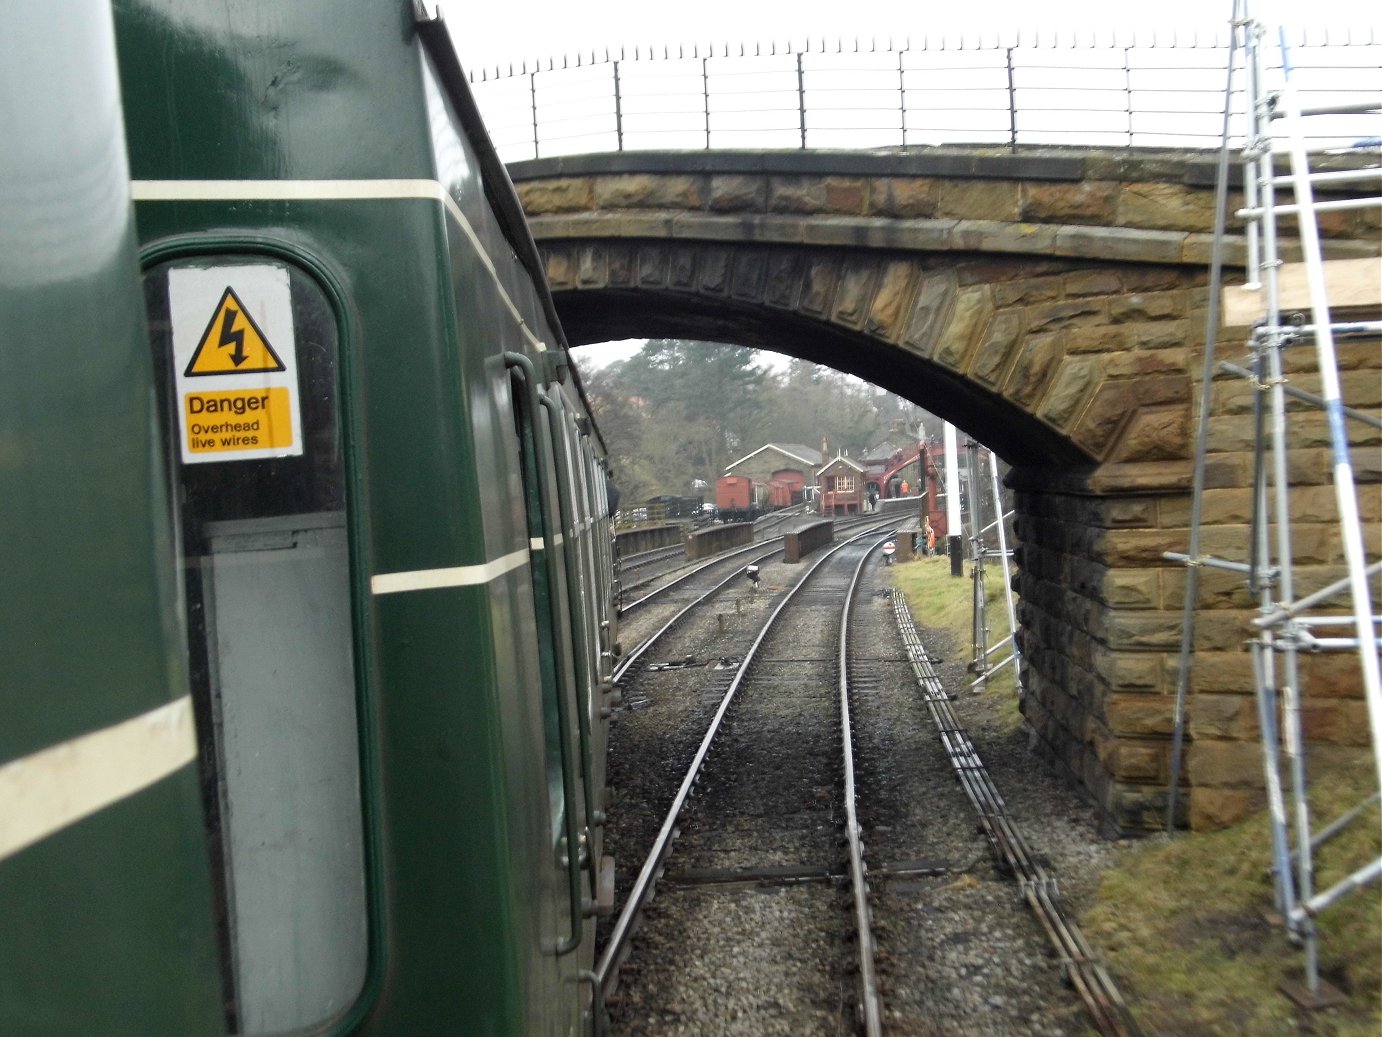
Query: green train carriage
<point x="105" y="893"/>
<point x="389" y="515"/>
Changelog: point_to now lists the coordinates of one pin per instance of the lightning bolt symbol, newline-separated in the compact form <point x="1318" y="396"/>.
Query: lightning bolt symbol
<point x="231" y="337"/>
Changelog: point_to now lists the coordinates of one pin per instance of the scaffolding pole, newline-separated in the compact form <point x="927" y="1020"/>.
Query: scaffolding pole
<point x="983" y="523"/>
<point x="1289" y="306"/>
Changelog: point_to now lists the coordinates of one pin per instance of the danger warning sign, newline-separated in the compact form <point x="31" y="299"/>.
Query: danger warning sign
<point x="236" y="363"/>
<point x="232" y="343"/>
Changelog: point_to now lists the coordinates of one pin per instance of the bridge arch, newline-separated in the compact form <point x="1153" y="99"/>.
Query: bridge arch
<point x="958" y="334"/>
<point x="1052" y="305"/>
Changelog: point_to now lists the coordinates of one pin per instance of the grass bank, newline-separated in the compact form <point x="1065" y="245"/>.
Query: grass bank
<point x="945" y="602"/>
<point x="1181" y="922"/>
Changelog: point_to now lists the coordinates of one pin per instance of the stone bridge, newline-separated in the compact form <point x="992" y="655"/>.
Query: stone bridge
<point x="1052" y="305"/>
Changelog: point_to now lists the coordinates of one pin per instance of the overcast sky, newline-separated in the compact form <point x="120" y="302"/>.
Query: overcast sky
<point x="490" y="34"/>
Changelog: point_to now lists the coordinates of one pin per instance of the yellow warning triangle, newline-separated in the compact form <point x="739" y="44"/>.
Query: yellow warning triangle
<point x="232" y="343"/>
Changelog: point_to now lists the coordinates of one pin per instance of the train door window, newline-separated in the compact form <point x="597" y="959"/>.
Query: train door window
<point x="550" y="659"/>
<point x="247" y="351"/>
<point x="575" y="506"/>
<point x="589" y="541"/>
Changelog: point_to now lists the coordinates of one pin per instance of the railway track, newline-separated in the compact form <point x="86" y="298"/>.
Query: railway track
<point x="956" y="953"/>
<point x="774" y="808"/>
<point x="644" y="559"/>
<point x="649" y="567"/>
<point x="728" y="561"/>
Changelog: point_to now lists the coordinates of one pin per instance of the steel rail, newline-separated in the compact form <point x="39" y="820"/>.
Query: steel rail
<point x="697" y="570"/>
<point x="845" y="526"/>
<point x="616" y="947"/>
<point x="870" y="1004"/>
<point x="1081" y="967"/>
<point x="642" y="558"/>
<point x="652" y="639"/>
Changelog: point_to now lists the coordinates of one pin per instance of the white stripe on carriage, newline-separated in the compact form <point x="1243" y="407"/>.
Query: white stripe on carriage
<point x="457" y="576"/>
<point x="44" y="792"/>
<point x="328" y="190"/>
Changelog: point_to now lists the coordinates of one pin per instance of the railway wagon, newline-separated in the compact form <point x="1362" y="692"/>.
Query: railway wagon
<point x="786" y="487"/>
<point x="319" y="563"/>
<point x="736" y="499"/>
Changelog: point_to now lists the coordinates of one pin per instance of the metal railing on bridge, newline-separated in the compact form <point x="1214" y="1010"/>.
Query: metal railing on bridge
<point x="1157" y="92"/>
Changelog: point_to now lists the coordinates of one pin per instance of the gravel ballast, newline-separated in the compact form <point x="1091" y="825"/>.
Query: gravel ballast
<point x="959" y="954"/>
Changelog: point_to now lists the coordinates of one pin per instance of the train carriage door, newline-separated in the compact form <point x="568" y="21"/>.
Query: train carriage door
<point x="557" y="661"/>
<point x="562" y="433"/>
<point x="247" y="350"/>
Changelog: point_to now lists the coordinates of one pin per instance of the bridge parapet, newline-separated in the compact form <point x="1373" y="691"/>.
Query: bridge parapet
<point x="1083" y="203"/>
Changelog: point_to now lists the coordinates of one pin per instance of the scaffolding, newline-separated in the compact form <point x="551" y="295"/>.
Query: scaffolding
<point x="985" y="523"/>
<point x="1305" y="604"/>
